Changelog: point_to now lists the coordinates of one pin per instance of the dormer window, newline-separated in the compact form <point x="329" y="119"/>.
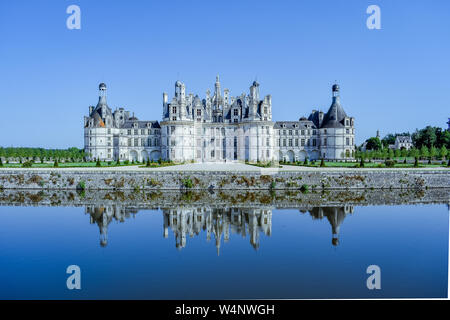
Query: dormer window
<point x="174" y="109"/>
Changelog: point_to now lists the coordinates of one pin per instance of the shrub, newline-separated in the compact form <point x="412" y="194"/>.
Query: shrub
<point x="126" y="162"/>
<point x="81" y="186"/>
<point x="416" y="162"/>
<point x="306" y="161"/>
<point x="390" y="163"/>
<point x="404" y="161"/>
<point x="304" y="188"/>
<point x="118" y="162"/>
<point x="448" y="164"/>
<point x="159" y="161"/>
<point x="55" y="164"/>
<point x="148" y="162"/>
<point x="273" y="184"/>
<point x="188" y="183"/>
<point x="27" y="164"/>
<point x="98" y="164"/>
<point x="1" y="162"/>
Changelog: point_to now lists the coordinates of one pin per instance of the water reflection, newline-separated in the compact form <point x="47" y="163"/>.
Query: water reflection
<point x="219" y="223"/>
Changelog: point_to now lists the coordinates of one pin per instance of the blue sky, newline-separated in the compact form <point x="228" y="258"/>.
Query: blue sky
<point x="395" y="79"/>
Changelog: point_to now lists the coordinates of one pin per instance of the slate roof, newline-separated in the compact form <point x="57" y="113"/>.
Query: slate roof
<point x="141" y="124"/>
<point x="334" y="118"/>
<point x="291" y="124"/>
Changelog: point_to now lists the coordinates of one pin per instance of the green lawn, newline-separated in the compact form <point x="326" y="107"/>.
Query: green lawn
<point x="369" y="165"/>
<point x="68" y="165"/>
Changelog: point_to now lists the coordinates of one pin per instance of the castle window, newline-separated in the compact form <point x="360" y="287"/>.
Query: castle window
<point x="109" y="131"/>
<point x="172" y="129"/>
<point x="136" y="142"/>
<point x="303" y="142"/>
<point x="284" y="142"/>
<point x="236" y="112"/>
<point x="129" y="131"/>
<point x="296" y="142"/>
<point x="347" y="141"/>
<point x="290" y="142"/>
<point x="268" y="142"/>
<point x="235" y="120"/>
<point x="265" y="110"/>
<point x="296" y="132"/>
<point x="129" y="142"/>
<point x="314" y="132"/>
<point x="136" y="132"/>
<point x="268" y="153"/>
<point x="290" y="132"/>
<point x="174" y="118"/>
<point x="172" y="143"/>
<point x="347" y="122"/>
<point x="284" y="131"/>
<point x="303" y="132"/>
<point x="325" y="131"/>
<point x="142" y="131"/>
<point x="314" y="142"/>
<point x="174" y="109"/>
<point x="347" y="131"/>
<point x="325" y="141"/>
<point x="199" y="112"/>
<point x="212" y="154"/>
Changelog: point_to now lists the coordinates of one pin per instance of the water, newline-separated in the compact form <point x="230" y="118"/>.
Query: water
<point x="194" y="248"/>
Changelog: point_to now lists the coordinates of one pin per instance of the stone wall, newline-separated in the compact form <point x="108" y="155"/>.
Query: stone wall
<point x="193" y="180"/>
<point x="223" y="198"/>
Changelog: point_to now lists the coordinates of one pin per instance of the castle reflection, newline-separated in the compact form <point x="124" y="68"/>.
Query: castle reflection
<point x="219" y="223"/>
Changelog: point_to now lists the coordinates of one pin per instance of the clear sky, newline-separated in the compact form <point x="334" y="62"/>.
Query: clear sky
<point x="395" y="79"/>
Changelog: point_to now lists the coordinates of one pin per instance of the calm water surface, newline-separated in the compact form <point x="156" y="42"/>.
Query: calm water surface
<point x="195" y="251"/>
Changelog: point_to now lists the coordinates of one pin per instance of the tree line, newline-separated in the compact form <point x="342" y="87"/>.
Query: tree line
<point x="41" y="154"/>
<point x="428" y="143"/>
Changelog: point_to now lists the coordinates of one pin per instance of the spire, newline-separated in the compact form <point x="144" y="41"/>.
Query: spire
<point x="102" y="93"/>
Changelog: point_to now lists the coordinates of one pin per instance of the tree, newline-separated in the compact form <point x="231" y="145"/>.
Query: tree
<point x="443" y="152"/>
<point x="1" y="162"/>
<point x="424" y="151"/>
<point x="373" y="143"/>
<point x="388" y="139"/>
<point x="433" y="152"/>
<point x="322" y="163"/>
<point x="404" y="152"/>
<point x="425" y="137"/>
<point x="98" y="164"/>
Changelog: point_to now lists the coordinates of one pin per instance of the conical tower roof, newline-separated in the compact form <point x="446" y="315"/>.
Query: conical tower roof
<point x="334" y="118"/>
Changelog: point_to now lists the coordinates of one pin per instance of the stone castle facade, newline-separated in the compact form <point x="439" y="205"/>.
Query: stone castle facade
<point x="218" y="128"/>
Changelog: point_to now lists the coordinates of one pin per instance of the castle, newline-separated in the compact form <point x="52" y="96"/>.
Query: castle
<point x="218" y="128"/>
